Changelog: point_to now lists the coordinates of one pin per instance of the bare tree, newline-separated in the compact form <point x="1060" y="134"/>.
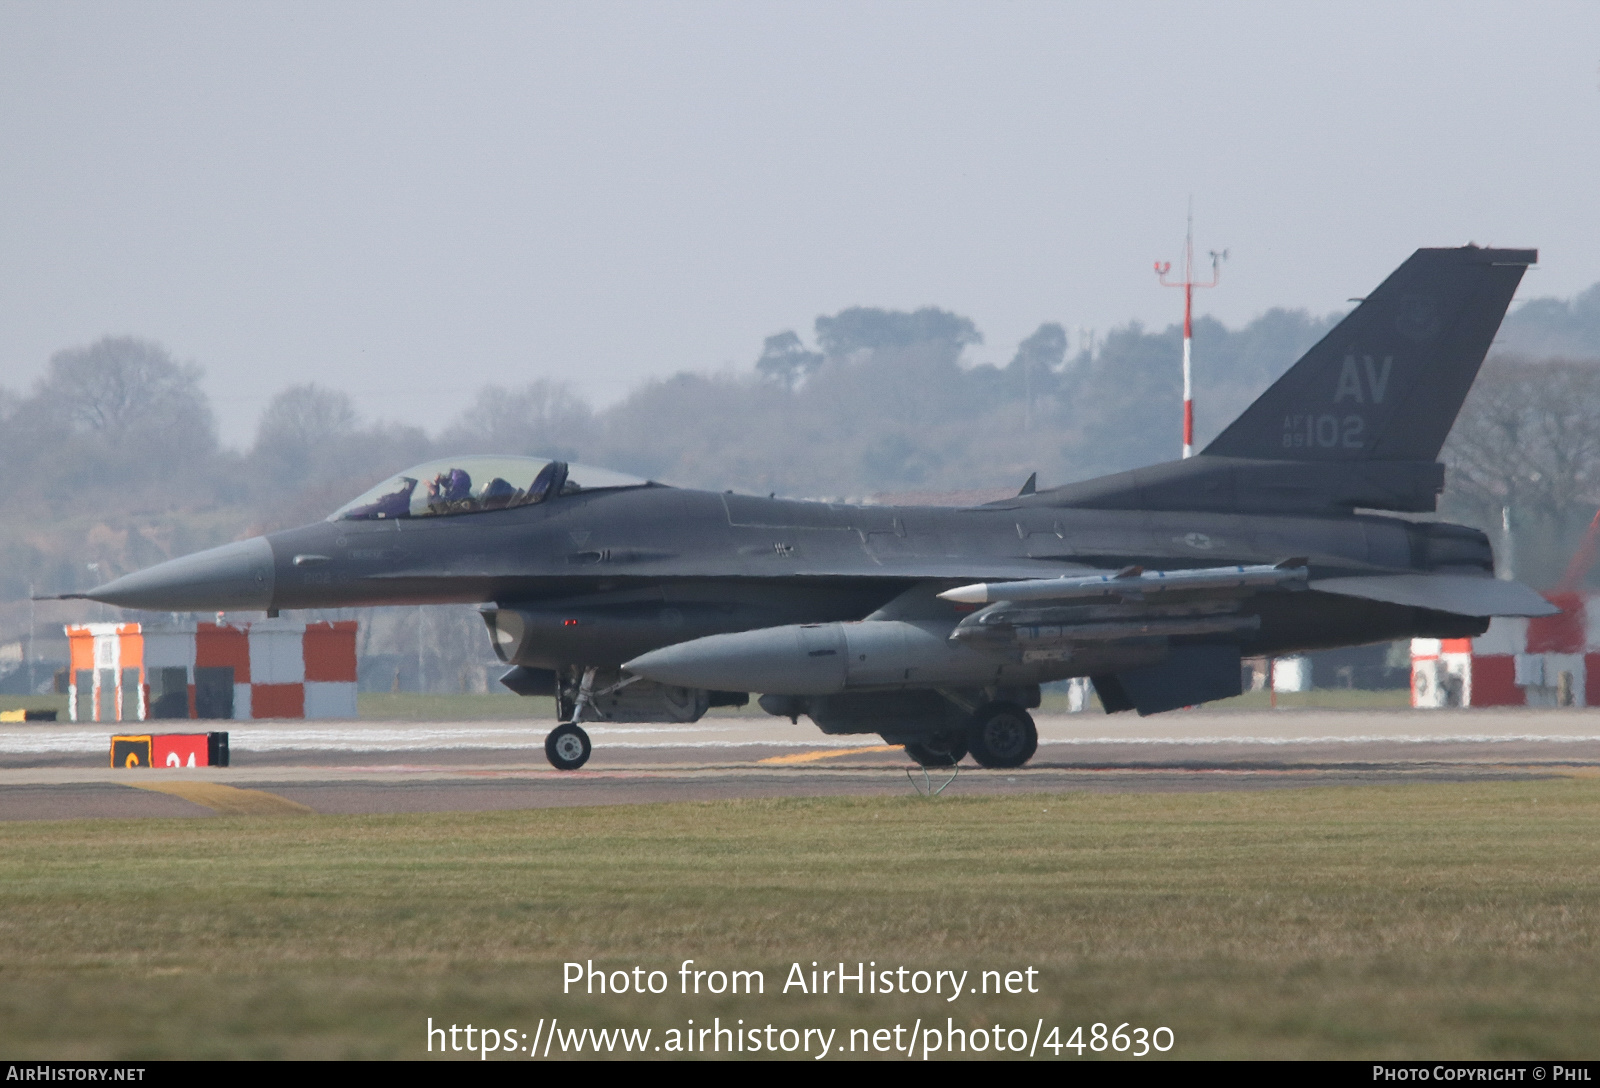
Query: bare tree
<point x="306" y="415"/>
<point x="119" y="385"/>
<point x="1529" y="436"/>
<point x="312" y="454"/>
<point x="542" y="418"/>
<point x="1527" y="447"/>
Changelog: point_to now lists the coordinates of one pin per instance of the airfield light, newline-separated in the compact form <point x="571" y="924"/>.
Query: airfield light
<point x="1188" y="284"/>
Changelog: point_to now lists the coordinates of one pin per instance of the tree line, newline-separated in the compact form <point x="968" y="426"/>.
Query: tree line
<point x="115" y="462"/>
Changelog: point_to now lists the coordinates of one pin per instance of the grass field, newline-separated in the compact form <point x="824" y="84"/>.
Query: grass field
<point x="1417" y="921"/>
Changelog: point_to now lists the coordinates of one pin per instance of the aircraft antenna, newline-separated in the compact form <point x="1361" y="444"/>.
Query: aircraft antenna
<point x="1188" y="284"/>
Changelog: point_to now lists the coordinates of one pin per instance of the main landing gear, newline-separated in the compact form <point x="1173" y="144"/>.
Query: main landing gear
<point x="999" y="735"/>
<point x="938" y="751"/>
<point x="1002" y="735"/>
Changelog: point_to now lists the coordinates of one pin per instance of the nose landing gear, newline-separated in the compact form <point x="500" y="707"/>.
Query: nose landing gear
<point x="567" y="747"/>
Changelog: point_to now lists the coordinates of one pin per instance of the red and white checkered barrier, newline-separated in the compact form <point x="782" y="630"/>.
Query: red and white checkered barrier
<point x="270" y="669"/>
<point x="1544" y="661"/>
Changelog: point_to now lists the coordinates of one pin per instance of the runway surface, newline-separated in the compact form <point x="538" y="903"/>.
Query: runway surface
<point x="60" y="771"/>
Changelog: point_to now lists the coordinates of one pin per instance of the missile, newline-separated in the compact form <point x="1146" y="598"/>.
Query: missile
<point x="1031" y="637"/>
<point x="1136" y="583"/>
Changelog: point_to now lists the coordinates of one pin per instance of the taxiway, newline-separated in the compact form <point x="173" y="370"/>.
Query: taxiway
<point x="61" y="772"/>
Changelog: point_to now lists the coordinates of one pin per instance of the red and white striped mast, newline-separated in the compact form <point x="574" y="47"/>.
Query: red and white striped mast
<point x="1188" y="284"/>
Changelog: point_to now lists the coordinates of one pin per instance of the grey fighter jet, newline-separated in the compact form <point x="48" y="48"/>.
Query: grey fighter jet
<point x="629" y="600"/>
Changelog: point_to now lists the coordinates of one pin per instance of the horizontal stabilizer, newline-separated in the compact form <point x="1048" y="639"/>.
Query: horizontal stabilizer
<point x="1461" y="594"/>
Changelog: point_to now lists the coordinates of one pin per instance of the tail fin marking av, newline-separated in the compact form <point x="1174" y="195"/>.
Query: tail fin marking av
<point x="1387" y="382"/>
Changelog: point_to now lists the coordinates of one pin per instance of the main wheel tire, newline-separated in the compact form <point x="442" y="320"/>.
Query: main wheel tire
<point x="567" y="747"/>
<point x="1002" y="735"/>
<point x="938" y="751"/>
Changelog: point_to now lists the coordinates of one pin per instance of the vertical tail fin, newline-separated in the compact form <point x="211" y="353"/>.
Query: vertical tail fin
<point x="1387" y="382"/>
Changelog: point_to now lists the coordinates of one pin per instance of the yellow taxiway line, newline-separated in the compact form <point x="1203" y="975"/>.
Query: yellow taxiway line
<point x="228" y="800"/>
<point x="831" y="753"/>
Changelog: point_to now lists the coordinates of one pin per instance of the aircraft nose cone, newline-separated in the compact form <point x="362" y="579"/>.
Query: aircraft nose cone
<point x="236" y="577"/>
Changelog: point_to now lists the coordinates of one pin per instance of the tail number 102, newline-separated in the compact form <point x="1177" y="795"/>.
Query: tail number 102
<point x="1326" y="431"/>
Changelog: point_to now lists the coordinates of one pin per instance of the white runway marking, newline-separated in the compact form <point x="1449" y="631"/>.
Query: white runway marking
<point x="362" y="737"/>
<point x="1197" y="728"/>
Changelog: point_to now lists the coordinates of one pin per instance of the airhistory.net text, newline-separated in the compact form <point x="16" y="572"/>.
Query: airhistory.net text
<point x="859" y="978"/>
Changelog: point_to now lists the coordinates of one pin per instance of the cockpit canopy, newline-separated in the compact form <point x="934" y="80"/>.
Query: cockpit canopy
<point x="468" y="485"/>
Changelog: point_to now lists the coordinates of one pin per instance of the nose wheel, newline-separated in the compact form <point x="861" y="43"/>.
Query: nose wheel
<point x="567" y="747"/>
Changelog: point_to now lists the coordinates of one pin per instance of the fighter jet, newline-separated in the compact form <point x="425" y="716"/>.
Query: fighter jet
<point x="632" y="601"/>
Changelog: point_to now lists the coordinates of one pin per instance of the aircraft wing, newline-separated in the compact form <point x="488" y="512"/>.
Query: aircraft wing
<point x="1461" y="594"/>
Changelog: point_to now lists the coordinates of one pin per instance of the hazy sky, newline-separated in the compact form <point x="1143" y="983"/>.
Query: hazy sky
<point x="408" y="201"/>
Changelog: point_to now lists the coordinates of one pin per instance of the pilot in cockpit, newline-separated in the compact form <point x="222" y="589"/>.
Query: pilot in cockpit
<point x="473" y="484"/>
<point x="498" y="493"/>
<point x="450" y="491"/>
